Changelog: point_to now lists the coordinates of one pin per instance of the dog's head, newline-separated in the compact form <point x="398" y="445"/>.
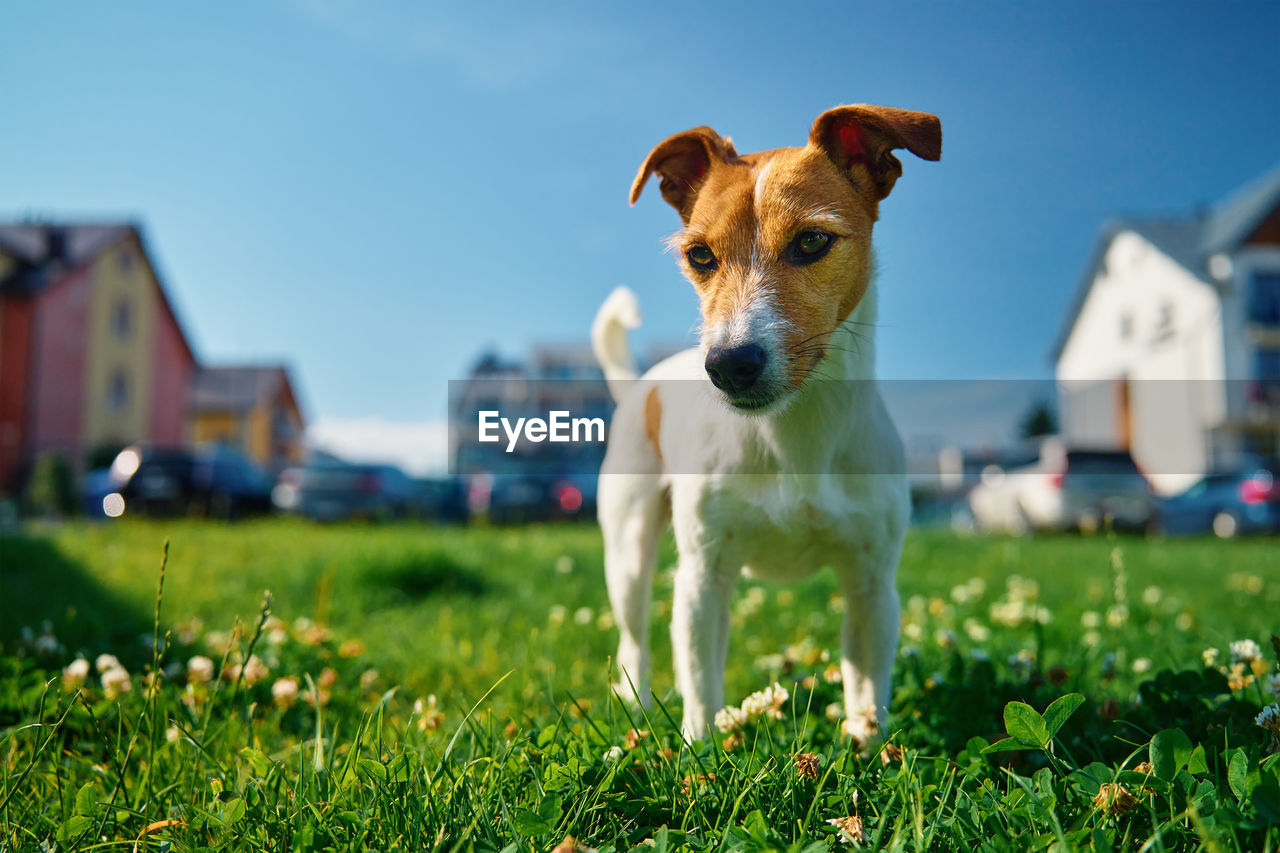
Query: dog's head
<point x="778" y="243"/>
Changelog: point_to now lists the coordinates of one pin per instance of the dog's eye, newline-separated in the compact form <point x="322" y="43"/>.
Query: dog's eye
<point x="700" y="257"/>
<point x="809" y="246"/>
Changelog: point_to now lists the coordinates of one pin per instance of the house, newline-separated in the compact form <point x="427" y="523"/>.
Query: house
<point x="92" y="355"/>
<point x="251" y="408"/>
<point x="1171" y="348"/>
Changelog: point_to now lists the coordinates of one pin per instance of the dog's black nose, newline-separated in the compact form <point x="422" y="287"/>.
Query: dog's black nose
<point x="735" y="369"/>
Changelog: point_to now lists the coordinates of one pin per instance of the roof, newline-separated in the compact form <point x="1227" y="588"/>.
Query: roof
<point x="44" y="250"/>
<point x="238" y="388"/>
<point x="1189" y="240"/>
<point x="47" y="250"/>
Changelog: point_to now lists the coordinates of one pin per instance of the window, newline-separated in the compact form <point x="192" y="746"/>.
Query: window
<point x="1164" y="323"/>
<point x="118" y="390"/>
<point x="1264" y="299"/>
<point x="122" y="319"/>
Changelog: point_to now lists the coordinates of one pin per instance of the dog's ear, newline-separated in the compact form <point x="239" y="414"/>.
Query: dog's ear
<point x="865" y="136"/>
<point x="683" y="161"/>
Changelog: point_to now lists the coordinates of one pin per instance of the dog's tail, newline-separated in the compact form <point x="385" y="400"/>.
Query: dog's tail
<point x="620" y="312"/>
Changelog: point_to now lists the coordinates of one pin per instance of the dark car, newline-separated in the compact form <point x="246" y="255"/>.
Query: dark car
<point x="443" y="499"/>
<point x="337" y="491"/>
<point x="1226" y="503"/>
<point x="211" y="481"/>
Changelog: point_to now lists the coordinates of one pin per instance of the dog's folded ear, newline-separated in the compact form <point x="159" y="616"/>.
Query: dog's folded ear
<point x="864" y="136"/>
<point x="683" y="161"/>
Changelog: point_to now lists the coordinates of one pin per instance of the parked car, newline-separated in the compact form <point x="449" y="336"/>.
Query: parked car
<point x="444" y="499"/>
<point x="1226" y="503"/>
<point x="515" y="499"/>
<point x="211" y="481"/>
<point x="336" y="491"/>
<point x="1064" y="489"/>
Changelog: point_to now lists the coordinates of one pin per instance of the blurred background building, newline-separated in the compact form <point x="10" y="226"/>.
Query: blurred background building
<point x="93" y="358"/>
<point x="1172" y="347"/>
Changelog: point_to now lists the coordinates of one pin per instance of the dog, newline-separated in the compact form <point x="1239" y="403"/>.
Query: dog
<point x="767" y="448"/>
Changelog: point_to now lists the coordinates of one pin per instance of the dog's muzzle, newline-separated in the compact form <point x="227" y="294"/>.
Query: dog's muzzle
<point x="734" y="370"/>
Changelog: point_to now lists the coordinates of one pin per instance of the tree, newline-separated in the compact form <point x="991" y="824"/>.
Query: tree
<point x="1039" y="420"/>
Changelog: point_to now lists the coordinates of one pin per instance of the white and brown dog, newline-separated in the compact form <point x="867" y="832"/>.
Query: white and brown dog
<point x="786" y="460"/>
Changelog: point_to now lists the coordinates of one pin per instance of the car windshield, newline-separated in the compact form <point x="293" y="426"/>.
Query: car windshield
<point x="1100" y="462"/>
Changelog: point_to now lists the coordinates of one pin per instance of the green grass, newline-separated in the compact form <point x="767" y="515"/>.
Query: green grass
<point x="521" y="745"/>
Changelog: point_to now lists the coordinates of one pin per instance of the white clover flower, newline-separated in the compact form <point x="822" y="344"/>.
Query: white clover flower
<point x="75" y="672"/>
<point x="584" y="615"/>
<point x="767" y="702"/>
<point x="960" y="594"/>
<point x="1117" y="615"/>
<point x="199" y="670"/>
<point x="771" y="663"/>
<point x="834" y="711"/>
<point x="1184" y="621"/>
<point x="115" y="682"/>
<point x="1245" y="651"/>
<point x="557" y="614"/>
<point x="105" y="662"/>
<point x="913" y="632"/>
<point x="1142" y="665"/>
<point x="220" y="641"/>
<point x="173" y="734"/>
<point x="368" y="678"/>
<point x="1209" y="656"/>
<point x="1152" y="595"/>
<point x="285" y="692"/>
<point x="730" y="718"/>
<point x="614" y="754"/>
<point x="564" y="564"/>
<point x="254" y="670"/>
<point x="977" y="632"/>
<point x="1090" y="619"/>
<point x="1091" y="638"/>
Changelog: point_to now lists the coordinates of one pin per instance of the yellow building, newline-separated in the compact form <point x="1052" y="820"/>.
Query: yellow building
<point x="251" y="408"/>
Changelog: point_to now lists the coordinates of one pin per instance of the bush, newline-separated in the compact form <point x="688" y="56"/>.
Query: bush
<point x="51" y="491"/>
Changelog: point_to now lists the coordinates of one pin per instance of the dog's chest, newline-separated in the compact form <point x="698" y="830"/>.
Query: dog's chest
<point x="786" y="529"/>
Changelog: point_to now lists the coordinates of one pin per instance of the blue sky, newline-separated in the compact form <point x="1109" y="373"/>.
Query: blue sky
<point x="377" y="192"/>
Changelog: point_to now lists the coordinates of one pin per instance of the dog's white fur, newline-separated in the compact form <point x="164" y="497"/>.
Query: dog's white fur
<point x="742" y="494"/>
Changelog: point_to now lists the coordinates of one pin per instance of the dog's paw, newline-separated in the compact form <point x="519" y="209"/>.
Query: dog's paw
<point x="863" y="728"/>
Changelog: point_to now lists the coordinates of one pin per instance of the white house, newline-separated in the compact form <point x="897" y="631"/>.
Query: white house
<point x="1171" y="347"/>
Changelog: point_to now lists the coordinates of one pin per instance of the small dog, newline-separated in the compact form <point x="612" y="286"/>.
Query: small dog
<point x="779" y="457"/>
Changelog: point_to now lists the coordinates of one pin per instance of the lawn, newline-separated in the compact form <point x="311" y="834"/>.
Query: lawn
<point x="414" y="688"/>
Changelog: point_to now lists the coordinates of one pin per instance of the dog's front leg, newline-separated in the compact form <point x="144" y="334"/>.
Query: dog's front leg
<point x="869" y="639"/>
<point x="699" y="638"/>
